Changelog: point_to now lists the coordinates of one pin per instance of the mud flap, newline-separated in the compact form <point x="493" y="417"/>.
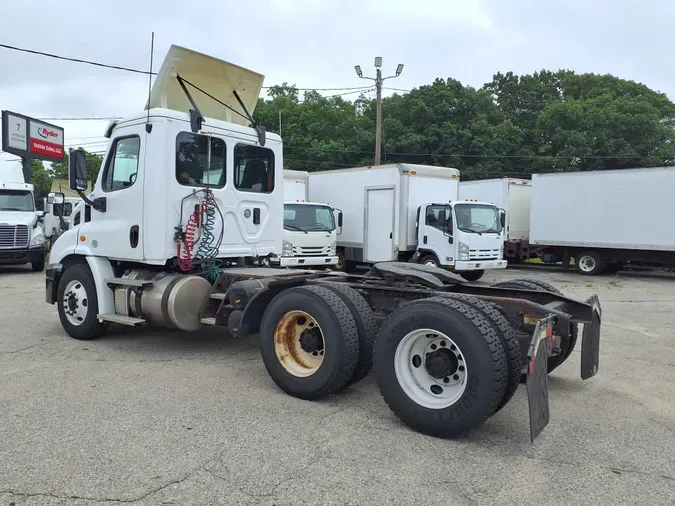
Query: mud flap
<point x="537" y="375"/>
<point x="590" y="341"/>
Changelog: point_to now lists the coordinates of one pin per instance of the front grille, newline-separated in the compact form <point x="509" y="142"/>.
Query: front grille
<point x="483" y="254"/>
<point x="312" y="251"/>
<point x="13" y="236"/>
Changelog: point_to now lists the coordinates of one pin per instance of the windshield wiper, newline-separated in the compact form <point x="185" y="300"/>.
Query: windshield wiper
<point x="15" y="209"/>
<point x="293" y="227"/>
<point x="472" y="231"/>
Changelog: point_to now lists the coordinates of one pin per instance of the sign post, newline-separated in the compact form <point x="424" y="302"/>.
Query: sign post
<point x="31" y="139"/>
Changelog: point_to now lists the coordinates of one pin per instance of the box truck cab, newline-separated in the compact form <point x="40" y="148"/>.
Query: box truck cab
<point x="21" y="236"/>
<point x="410" y="213"/>
<point x="310" y="228"/>
<point x="465" y="236"/>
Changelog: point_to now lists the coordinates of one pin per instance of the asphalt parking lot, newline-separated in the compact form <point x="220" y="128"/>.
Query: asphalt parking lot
<point x="156" y="417"/>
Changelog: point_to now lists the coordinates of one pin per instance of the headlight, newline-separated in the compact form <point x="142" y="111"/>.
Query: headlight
<point x="463" y="251"/>
<point x="333" y="248"/>
<point x="38" y="240"/>
<point x="287" y="249"/>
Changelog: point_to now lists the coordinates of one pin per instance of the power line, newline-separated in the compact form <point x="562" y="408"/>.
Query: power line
<point x="137" y="71"/>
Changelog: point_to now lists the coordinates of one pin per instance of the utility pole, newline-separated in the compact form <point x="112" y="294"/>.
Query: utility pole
<point x="378" y="87"/>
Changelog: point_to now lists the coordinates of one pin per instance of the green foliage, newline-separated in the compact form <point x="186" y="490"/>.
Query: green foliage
<point x="42" y="182"/>
<point x="94" y="162"/>
<point x="513" y="125"/>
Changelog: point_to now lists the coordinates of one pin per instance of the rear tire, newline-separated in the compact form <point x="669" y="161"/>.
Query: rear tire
<point x="566" y="345"/>
<point x="365" y="324"/>
<point x="309" y="342"/>
<point x="589" y="263"/>
<point x="514" y="360"/>
<point x="415" y="388"/>
<point x="471" y="275"/>
<point x="77" y="303"/>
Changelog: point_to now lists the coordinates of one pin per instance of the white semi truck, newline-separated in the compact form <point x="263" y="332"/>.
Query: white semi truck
<point x="310" y="228"/>
<point x="21" y="236"/>
<point x="601" y="219"/>
<point x="411" y="213"/>
<point x="167" y="244"/>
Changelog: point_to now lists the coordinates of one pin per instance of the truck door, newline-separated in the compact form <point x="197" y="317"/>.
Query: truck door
<point x="378" y="241"/>
<point x="434" y="232"/>
<point x="118" y="232"/>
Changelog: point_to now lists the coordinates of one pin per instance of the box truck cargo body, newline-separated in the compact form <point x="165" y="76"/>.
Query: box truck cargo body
<point x="512" y="196"/>
<point x="410" y="213"/>
<point x="605" y="219"/>
<point x="310" y="228"/>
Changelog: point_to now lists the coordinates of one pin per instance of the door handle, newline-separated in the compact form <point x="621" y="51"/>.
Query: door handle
<point x="256" y="216"/>
<point x="133" y="236"/>
<point x="391" y="235"/>
<point x="425" y="239"/>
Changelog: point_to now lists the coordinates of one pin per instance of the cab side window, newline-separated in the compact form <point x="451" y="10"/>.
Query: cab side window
<point x="121" y="167"/>
<point x="200" y="160"/>
<point x="439" y="217"/>
<point x="253" y="169"/>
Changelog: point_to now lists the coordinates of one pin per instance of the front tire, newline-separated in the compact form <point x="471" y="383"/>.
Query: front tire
<point x="309" y="342"/>
<point x="440" y="366"/>
<point x="39" y="264"/>
<point x="78" y="304"/>
<point x="471" y="275"/>
<point x="429" y="260"/>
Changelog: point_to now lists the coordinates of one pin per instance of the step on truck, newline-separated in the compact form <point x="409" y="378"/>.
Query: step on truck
<point x="411" y="213"/>
<point x="189" y="197"/>
<point x="310" y="228"/>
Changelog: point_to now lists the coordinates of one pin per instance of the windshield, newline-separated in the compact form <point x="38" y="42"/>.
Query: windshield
<point x="478" y="218"/>
<point x="308" y="218"/>
<point x="16" y="200"/>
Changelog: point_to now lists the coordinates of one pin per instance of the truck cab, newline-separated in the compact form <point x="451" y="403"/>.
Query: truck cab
<point x="465" y="236"/>
<point x="310" y="228"/>
<point x="21" y="235"/>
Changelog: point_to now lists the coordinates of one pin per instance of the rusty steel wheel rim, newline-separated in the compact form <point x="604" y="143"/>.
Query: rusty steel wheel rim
<point x="299" y="344"/>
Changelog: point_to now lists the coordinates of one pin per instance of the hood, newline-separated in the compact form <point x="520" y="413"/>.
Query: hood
<point x="17" y="218"/>
<point x="216" y="77"/>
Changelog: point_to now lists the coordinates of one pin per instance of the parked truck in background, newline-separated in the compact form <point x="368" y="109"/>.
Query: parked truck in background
<point x="310" y="228"/>
<point x="513" y="197"/>
<point x="603" y="220"/>
<point x="169" y="236"/>
<point x="21" y="235"/>
<point x="404" y="212"/>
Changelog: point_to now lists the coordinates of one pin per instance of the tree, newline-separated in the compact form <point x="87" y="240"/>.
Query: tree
<point x="42" y="182"/>
<point x="94" y="162"/>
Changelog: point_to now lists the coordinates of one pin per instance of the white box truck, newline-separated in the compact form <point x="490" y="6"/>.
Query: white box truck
<point x="22" y="239"/>
<point x="605" y="219"/>
<point x="512" y="196"/>
<point x="411" y="213"/>
<point x="310" y="228"/>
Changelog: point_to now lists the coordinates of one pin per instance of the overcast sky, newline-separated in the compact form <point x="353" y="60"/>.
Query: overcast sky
<point x="315" y="44"/>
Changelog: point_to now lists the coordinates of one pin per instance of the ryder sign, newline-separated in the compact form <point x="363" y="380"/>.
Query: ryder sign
<point x="30" y="138"/>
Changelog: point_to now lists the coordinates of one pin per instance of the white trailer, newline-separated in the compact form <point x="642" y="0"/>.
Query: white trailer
<point x="22" y="240"/>
<point x="190" y="196"/>
<point x="605" y="219"/>
<point x="513" y="197"/>
<point x="410" y="213"/>
<point x="310" y="228"/>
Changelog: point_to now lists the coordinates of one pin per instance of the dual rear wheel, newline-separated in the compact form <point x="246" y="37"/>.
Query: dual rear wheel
<point x="443" y="365"/>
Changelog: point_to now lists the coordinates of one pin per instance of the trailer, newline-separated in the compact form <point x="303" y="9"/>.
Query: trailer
<point x="407" y="212"/>
<point x="171" y="239"/>
<point x="310" y="228"/>
<point x="513" y="197"/>
<point x="605" y="219"/>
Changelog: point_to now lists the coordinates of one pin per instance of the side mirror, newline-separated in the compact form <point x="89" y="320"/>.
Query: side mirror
<point x="339" y="218"/>
<point x="56" y="198"/>
<point x="502" y="218"/>
<point x="40" y="214"/>
<point x="450" y="240"/>
<point x="77" y="170"/>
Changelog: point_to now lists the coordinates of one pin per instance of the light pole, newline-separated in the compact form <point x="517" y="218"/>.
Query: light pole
<point x="378" y="86"/>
